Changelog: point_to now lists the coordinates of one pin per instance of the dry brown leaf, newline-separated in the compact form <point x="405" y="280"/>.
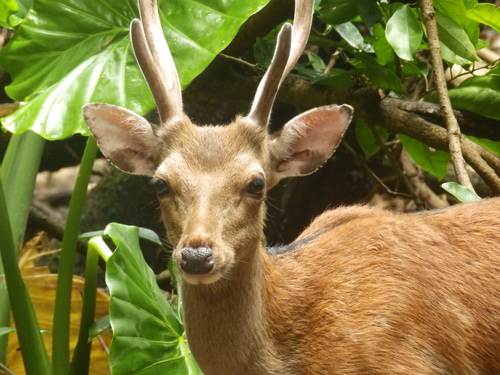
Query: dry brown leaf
<point x="42" y="289"/>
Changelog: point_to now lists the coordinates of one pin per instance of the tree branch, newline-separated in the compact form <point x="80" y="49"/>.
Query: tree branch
<point x="234" y="81"/>
<point x="484" y="163"/>
<point x="454" y="134"/>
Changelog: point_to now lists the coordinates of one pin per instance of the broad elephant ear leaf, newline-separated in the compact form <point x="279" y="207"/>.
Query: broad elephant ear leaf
<point x="148" y="336"/>
<point x="67" y="53"/>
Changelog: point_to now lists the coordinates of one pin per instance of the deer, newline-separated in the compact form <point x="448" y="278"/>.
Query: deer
<point x="360" y="291"/>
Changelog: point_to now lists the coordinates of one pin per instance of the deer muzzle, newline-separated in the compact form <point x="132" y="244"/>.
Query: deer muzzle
<point x="197" y="261"/>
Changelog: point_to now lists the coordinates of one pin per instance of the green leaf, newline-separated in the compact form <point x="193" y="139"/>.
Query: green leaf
<point x="478" y="95"/>
<point x="433" y="161"/>
<point x="336" y="78"/>
<point x="148" y="336"/>
<point x="6" y="330"/>
<point x="488" y="144"/>
<point x="457" y="11"/>
<point x="71" y="52"/>
<point x="374" y="75"/>
<point x="487" y="14"/>
<point x="353" y="37"/>
<point x="404" y="33"/>
<point x="383" y="78"/>
<point x="454" y="37"/>
<point x="418" y="68"/>
<point x="99" y="326"/>
<point x="263" y="50"/>
<point x="317" y="63"/>
<point x="367" y="140"/>
<point x="378" y="75"/>
<point x="369" y="12"/>
<point x="462" y="193"/>
<point x="343" y="11"/>
<point x="16" y="18"/>
<point x="151" y="236"/>
<point x="383" y="49"/>
<point x="7" y="7"/>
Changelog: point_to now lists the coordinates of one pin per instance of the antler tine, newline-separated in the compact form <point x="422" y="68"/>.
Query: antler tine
<point x="282" y="62"/>
<point x="268" y="87"/>
<point x="156" y="62"/>
<point x="300" y="32"/>
<point x="149" y="68"/>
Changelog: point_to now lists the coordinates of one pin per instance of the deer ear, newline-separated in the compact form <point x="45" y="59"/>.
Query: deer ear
<point x="124" y="137"/>
<point x="308" y="140"/>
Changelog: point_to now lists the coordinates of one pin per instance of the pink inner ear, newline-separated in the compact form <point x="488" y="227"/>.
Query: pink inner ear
<point x="124" y="137"/>
<point x="320" y="132"/>
<point x="311" y="138"/>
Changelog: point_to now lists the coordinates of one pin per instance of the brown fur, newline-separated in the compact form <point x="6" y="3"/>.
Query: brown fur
<point x="377" y="293"/>
<point x="382" y="293"/>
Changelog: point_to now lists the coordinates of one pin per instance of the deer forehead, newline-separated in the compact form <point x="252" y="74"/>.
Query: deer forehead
<point x="214" y="161"/>
<point x="205" y="167"/>
<point x="235" y="149"/>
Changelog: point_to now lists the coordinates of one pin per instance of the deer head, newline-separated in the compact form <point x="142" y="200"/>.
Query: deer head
<point x="212" y="180"/>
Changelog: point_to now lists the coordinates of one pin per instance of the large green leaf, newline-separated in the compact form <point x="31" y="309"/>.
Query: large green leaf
<point x="487" y="14"/>
<point x="457" y="11"/>
<point x="433" y="161"/>
<point x="454" y="38"/>
<point x="479" y="95"/>
<point x="404" y="33"/>
<point x="71" y="52"/>
<point x="148" y="336"/>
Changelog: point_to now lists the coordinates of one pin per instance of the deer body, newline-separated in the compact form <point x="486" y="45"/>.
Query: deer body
<point x="364" y="292"/>
<point x="361" y="291"/>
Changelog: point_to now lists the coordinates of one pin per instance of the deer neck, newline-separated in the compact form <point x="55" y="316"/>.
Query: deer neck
<point x="226" y="323"/>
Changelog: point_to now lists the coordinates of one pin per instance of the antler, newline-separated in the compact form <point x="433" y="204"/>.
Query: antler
<point x="156" y="62"/>
<point x="285" y="56"/>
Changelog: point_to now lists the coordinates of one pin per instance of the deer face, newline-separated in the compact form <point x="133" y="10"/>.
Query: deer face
<point x="212" y="180"/>
<point x="211" y="186"/>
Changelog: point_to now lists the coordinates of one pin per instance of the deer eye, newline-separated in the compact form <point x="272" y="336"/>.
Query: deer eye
<point x="256" y="187"/>
<point x="161" y="186"/>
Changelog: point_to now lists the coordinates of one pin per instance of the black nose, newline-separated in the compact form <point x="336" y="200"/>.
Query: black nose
<point x="197" y="261"/>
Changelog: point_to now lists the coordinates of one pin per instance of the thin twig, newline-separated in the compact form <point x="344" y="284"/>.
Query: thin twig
<point x="454" y="133"/>
<point x="397" y="168"/>
<point x="373" y="174"/>
<point x="415" y="177"/>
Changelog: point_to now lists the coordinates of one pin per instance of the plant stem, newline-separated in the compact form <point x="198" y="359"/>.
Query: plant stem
<point x="101" y="247"/>
<point x="36" y="361"/>
<point x="17" y="174"/>
<point x="81" y="358"/>
<point x="60" y="343"/>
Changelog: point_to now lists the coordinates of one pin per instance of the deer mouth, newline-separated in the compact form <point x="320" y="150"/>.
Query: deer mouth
<point x="204" y="279"/>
